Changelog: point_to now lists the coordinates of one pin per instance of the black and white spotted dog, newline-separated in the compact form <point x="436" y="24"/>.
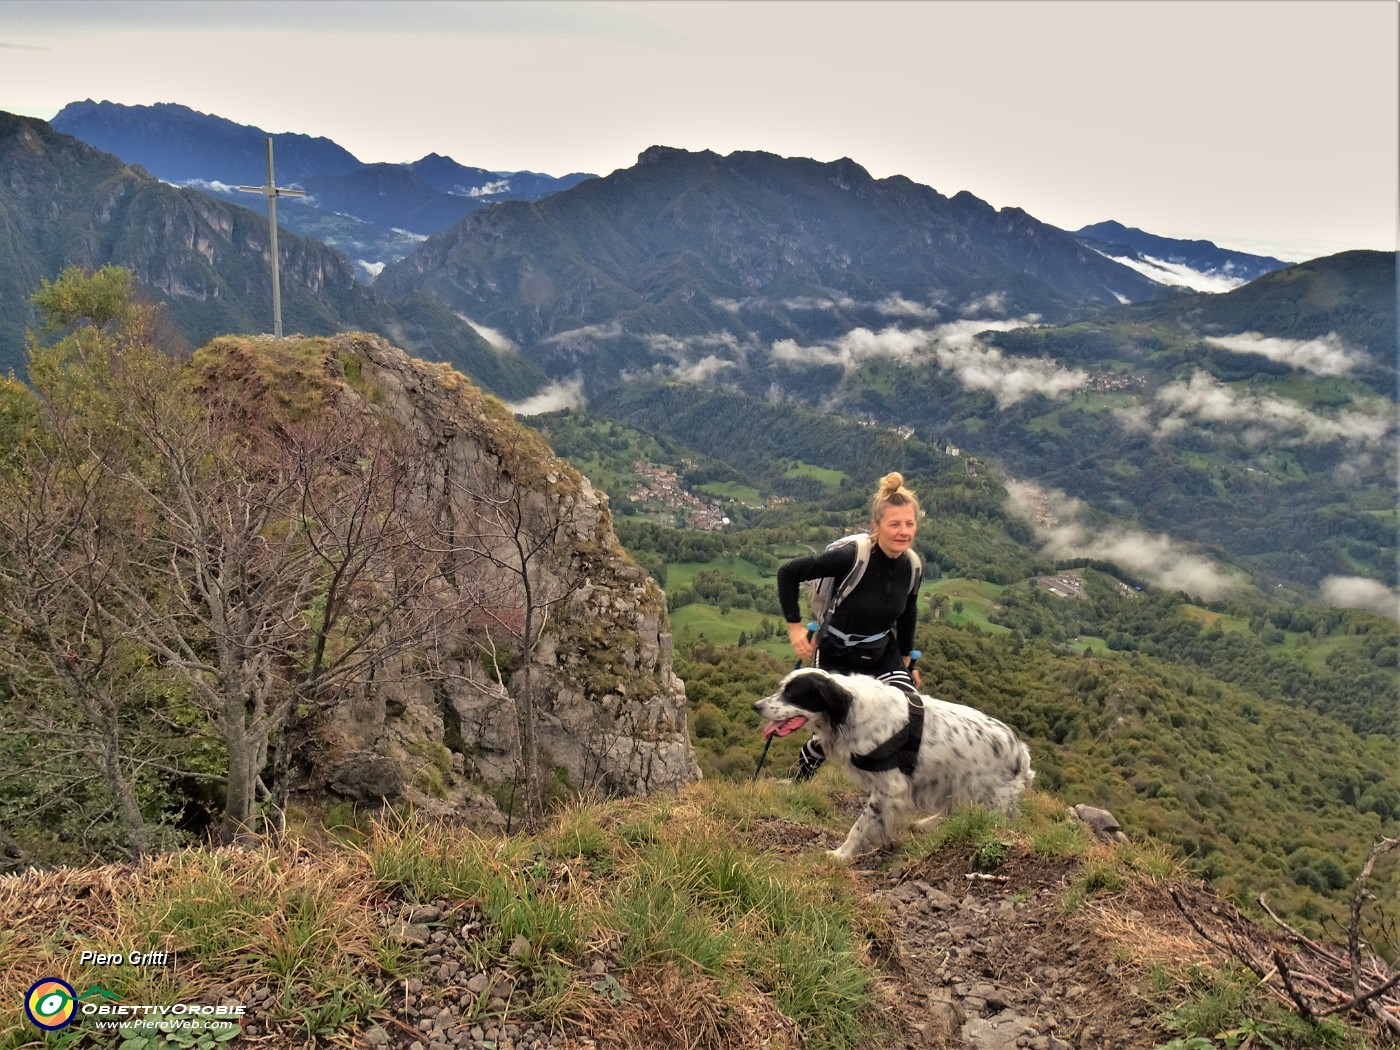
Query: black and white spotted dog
<point x="913" y="754"/>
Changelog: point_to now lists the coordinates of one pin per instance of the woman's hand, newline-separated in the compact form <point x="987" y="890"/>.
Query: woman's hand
<point x="802" y="646"/>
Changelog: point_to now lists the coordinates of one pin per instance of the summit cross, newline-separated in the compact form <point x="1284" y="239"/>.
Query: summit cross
<point x="272" y="191"/>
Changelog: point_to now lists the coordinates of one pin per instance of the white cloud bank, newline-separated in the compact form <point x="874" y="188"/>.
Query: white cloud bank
<point x="898" y="306"/>
<point x="498" y="340"/>
<point x="892" y="305"/>
<point x="553" y="398"/>
<point x="490" y="189"/>
<point x="1268" y="419"/>
<point x="991" y="303"/>
<point x="953" y="347"/>
<point x="1357" y="592"/>
<point x="1008" y="379"/>
<point x="1157" y="558"/>
<point x="854" y="348"/>
<point x="1325" y="356"/>
<point x="210" y="185"/>
<point x="701" y="371"/>
<point x="1176" y="274"/>
<point x="611" y="330"/>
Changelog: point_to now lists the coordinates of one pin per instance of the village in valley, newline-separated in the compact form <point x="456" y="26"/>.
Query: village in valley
<point x="663" y="486"/>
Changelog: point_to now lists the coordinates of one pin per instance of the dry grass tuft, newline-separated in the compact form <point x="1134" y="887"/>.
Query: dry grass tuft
<point x="209" y="908"/>
<point x="1137" y="922"/>
<point x="668" y="1010"/>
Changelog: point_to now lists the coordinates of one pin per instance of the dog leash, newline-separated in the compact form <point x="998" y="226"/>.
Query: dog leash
<point x="779" y="728"/>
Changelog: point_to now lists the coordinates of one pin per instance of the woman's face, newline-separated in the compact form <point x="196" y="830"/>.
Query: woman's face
<point x="894" y="532"/>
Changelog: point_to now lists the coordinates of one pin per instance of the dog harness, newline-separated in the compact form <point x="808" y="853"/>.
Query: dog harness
<point x="900" y="751"/>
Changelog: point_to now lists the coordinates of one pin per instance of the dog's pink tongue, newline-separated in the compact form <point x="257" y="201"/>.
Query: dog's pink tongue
<point x="783" y="728"/>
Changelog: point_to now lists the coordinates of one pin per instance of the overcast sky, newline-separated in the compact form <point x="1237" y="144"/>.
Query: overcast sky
<point x="1265" y="125"/>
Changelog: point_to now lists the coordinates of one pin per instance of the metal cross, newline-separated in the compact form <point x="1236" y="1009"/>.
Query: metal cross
<point x="272" y="191"/>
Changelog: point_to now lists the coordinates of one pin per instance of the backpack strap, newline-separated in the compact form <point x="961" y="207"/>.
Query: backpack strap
<point x="862" y="545"/>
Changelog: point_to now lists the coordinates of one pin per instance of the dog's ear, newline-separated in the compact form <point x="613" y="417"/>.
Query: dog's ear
<point x="820" y="694"/>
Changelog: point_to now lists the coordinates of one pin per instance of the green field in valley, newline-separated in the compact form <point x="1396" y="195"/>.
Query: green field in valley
<point x="736" y="491"/>
<point x="966" y="601"/>
<point x="828" y="479"/>
<point x="682" y="573"/>
<point x="691" y="623"/>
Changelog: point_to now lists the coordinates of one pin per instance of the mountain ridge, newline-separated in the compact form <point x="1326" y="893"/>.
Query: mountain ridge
<point x="1199" y="264"/>
<point x="213" y="154"/>
<point x="65" y="203"/>
<point x="760" y="246"/>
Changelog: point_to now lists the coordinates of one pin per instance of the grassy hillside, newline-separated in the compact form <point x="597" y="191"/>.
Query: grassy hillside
<point x="708" y="919"/>
<point x="1199" y="723"/>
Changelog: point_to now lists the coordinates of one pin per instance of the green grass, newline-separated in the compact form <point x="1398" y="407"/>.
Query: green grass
<point x="1228" y="624"/>
<point x="664" y="885"/>
<point x="1094" y="403"/>
<point x="261" y="917"/>
<point x="829" y="479"/>
<point x="1229" y="1005"/>
<point x="689" y="622"/>
<point x="737" y="491"/>
<point x="672" y="892"/>
<point x="982" y="833"/>
<point x="1050" y="423"/>
<point x="682" y="573"/>
<point x="967" y="601"/>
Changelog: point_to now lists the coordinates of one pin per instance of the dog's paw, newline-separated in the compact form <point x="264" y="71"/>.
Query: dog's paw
<point x="839" y="855"/>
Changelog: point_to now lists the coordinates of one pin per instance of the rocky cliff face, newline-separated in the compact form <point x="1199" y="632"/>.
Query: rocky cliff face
<point x="611" y="715"/>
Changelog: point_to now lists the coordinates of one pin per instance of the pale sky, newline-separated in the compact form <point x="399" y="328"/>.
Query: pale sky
<point x="1264" y="125"/>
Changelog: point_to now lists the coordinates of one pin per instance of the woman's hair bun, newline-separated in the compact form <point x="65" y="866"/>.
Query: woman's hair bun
<point x="892" y="493"/>
<point x="891" y="483"/>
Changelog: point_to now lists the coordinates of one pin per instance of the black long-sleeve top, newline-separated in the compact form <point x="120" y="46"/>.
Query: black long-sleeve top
<point x="882" y="600"/>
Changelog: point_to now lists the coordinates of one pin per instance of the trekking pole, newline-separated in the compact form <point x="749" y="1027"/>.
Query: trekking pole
<point x="778" y="731"/>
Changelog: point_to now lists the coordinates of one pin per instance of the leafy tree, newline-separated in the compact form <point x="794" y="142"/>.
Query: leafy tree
<point x="64" y="509"/>
<point x="259" y="557"/>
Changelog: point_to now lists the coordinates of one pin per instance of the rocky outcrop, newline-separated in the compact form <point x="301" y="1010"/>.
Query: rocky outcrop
<point x="610" y="712"/>
<point x="1101" y="822"/>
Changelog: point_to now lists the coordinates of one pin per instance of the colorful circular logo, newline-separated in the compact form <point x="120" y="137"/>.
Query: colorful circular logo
<point x="51" y="1003"/>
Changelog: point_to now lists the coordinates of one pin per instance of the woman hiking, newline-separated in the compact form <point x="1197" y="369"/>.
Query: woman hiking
<point x="868" y="628"/>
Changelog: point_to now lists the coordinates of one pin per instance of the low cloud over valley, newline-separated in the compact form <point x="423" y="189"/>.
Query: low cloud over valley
<point x="1266" y="420"/>
<point x="1328" y="355"/>
<point x="1357" y="592"/>
<point x="1060" y="523"/>
<point x="553" y="398"/>
<point x="953" y="347"/>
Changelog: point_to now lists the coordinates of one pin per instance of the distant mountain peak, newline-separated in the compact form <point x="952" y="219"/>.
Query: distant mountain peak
<point x="1198" y="264"/>
<point x="655" y="154"/>
<point x="372" y="211"/>
<point x="755" y="251"/>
